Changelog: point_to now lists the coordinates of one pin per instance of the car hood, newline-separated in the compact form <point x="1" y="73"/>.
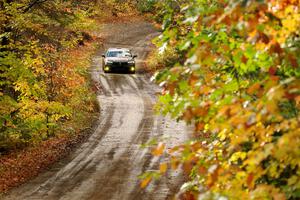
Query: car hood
<point x="118" y="59"/>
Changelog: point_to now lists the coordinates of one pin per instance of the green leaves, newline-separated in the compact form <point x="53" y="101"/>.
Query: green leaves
<point x="238" y="84"/>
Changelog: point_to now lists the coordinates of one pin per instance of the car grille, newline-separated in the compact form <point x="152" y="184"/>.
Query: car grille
<point x="120" y="65"/>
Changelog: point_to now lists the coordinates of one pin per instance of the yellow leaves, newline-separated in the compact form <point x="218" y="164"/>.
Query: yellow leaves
<point x="158" y="151"/>
<point x="290" y="24"/>
<point x="7" y="105"/>
<point x="238" y="156"/>
<point x="240" y="176"/>
<point x="285" y="149"/>
<point x="293" y="180"/>
<point x="23" y="87"/>
<point x="222" y="135"/>
<point x="275" y="93"/>
<point x="292" y="19"/>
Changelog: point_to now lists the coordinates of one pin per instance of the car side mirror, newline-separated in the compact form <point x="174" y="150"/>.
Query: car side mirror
<point x="103" y="55"/>
<point x="134" y="56"/>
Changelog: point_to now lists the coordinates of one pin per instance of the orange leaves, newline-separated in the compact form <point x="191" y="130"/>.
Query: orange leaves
<point x="250" y="181"/>
<point x="144" y="183"/>
<point x="214" y="172"/>
<point x="158" y="151"/>
<point x="200" y="111"/>
<point x="193" y="80"/>
<point x="171" y="87"/>
<point x="188" y="115"/>
<point x="297" y="100"/>
<point x="175" y="162"/>
<point x="202" y="170"/>
<point x="149" y="176"/>
<point x="254" y="88"/>
<point x="188" y="166"/>
<point x="199" y="126"/>
<point x="163" y="168"/>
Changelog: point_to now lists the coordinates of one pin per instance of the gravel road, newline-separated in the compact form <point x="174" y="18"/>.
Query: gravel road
<point x="107" y="165"/>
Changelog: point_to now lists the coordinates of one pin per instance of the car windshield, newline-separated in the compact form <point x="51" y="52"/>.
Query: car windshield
<point x="118" y="54"/>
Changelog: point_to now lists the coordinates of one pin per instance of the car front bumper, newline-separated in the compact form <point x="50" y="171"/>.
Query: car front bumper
<point x="119" y="66"/>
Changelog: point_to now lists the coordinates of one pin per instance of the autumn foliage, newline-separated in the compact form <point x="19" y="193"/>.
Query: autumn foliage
<point x="44" y="87"/>
<point x="239" y="85"/>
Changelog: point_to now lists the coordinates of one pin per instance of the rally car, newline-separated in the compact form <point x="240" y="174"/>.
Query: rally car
<point x="119" y="60"/>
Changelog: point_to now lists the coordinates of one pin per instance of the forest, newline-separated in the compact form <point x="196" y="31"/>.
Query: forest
<point x="42" y="85"/>
<point x="229" y="68"/>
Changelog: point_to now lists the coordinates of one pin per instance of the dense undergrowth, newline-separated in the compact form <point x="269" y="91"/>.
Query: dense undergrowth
<point x="237" y="80"/>
<point x="44" y="86"/>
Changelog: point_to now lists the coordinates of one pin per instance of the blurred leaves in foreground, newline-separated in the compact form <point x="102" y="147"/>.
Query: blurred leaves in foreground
<point x="239" y="85"/>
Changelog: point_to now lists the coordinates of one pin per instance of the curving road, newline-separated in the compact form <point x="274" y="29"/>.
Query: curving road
<point x="107" y="165"/>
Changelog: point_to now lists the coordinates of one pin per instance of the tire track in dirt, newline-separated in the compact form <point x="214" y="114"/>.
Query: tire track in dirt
<point x="106" y="167"/>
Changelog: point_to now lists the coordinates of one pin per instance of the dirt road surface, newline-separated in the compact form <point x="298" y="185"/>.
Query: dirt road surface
<point x="107" y="165"/>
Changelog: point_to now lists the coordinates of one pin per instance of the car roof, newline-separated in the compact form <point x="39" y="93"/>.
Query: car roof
<point x="118" y="49"/>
